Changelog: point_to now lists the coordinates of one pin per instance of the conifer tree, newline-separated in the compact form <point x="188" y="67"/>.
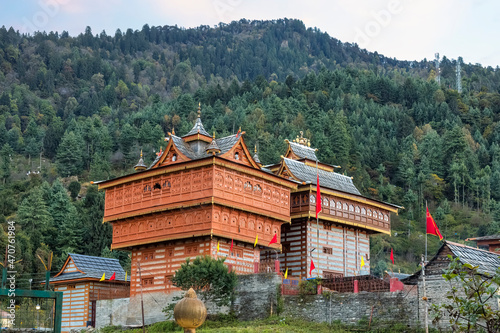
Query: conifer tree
<point x="69" y="157"/>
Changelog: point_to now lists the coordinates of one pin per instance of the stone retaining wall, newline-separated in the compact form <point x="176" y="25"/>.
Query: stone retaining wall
<point x="350" y="308"/>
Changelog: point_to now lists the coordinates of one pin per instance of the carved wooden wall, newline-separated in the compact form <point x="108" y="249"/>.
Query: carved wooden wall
<point x="343" y="209"/>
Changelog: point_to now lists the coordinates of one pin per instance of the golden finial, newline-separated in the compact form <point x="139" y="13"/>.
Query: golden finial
<point x="173" y="130"/>
<point x="141" y="153"/>
<point x="256" y="148"/>
<point x="199" y="109"/>
<point x="214" y="135"/>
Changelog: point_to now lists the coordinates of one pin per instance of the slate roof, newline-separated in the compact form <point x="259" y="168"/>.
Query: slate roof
<point x="93" y="267"/>
<point x="197" y="128"/>
<point x="490" y="237"/>
<point x="225" y="144"/>
<point x="303" y="151"/>
<point x="327" y="179"/>
<point x="487" y="261"/>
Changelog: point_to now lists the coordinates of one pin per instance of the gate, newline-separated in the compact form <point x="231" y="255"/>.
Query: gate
<point x="36" y="310"/>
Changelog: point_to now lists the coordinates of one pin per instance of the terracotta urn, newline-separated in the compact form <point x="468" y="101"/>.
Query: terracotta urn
<point x="190" y="312"/>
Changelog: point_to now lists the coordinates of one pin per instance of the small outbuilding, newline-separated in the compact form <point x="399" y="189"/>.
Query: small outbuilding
<point x="436" y="287"/>
<point x="80" y="281"/>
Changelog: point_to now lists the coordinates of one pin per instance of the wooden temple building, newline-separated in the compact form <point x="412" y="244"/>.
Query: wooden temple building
<point x="202" y="191"/>
<point x="346" y="221"/>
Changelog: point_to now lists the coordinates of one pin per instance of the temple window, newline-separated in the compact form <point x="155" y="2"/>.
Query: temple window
<point x="147" y="282"/>
<point x="339" y="205"/>
<point x="148" y="255"/>
<point x="386" y="217"/>
<point x="357" y="209"/>
<point x="345" y="207"/>
<point x="247" y="186"/>
<point x="351" y="208"/>
<point x="369" y="212"/>
<point x="236" y="156"/>
<point x="363" y="211"/>
<point x="157" y="186"/>
<point x="174" y="157"/>
<point x="332" y="203"/>
<point x="327" y="250"/>
<point x="325" y="202"/>
<point x="312" y="198"/>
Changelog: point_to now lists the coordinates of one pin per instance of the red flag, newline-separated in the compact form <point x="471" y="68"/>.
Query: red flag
<point x="432" y="228"/>
<point x="274" y="240"/>
<point x="231" y="249"/>
<point x="392" y="257"/>
<point x="112" y="276"/>
<point x="312" y="267"/>
<point x="318" y="197"/>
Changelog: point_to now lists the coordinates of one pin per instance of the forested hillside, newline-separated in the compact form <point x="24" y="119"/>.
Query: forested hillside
<point x="76" y="109"/>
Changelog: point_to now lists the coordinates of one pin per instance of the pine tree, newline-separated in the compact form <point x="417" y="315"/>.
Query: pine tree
<point x="69" y="157"/>
<point x="34" y="217"/>
<point x="5" y="162"/>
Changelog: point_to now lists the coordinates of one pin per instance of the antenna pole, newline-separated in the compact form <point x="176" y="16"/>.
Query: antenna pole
<point x="142" y="299"/>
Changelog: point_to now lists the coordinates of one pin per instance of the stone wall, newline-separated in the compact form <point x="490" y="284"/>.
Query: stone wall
<point x="127" y="311"/>
<point x="436" y="291"/>
<point x="349" y="308"/>
<point x="255" y="295"/>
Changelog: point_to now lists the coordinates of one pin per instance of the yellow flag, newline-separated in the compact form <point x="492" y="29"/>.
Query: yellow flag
<point x="125" y="276"/>
<point x="286" y="273"/>
<point x="217" y="247"/>
<point x="103" y="277"/>
<point x="362" y="262"/>
<point x="256" y="240"/>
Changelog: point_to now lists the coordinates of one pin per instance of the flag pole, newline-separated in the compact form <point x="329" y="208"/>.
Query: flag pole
<point x="317" y="216"/>
<point x="426" y="231"/>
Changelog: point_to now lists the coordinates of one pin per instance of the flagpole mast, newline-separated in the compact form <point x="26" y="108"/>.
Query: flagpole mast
<point x="426" y="230"/>
<point x="317" y="216"/>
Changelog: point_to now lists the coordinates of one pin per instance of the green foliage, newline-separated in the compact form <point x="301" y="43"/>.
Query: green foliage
<point x="470" y="298"/>
<point x="74" y="188"/>
<point x="229" y="324"/>
<point x="209" y="278"/>
<point x="89" y="103"/>
<point x="309" y="287"/>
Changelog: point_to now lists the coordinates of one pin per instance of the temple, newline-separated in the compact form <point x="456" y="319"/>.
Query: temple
<point x="210" y="196"/>
<point x="340" y="238"/>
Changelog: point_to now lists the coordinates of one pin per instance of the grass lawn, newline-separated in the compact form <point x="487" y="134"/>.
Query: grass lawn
<point x="226" y="324"/>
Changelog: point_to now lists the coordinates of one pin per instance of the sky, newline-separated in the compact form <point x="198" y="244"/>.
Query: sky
<point x="402" y="29"/>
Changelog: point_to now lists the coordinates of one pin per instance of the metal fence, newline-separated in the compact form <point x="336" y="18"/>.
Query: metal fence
<point x="21" y="313"/>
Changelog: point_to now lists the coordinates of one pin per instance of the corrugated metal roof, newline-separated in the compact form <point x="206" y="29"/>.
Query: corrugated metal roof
<point x="303" y="151"/>
<point x="93" y="267"/>
<point x="327" y="179"/>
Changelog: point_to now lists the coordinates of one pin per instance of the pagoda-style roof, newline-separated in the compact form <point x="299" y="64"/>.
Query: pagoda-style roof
<point x="300" y="151"/>
<point x="89" y="268"/>
<point x="198" y="128"/>
<point x="306" y="173"/>
<point x="225" y="144"/>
